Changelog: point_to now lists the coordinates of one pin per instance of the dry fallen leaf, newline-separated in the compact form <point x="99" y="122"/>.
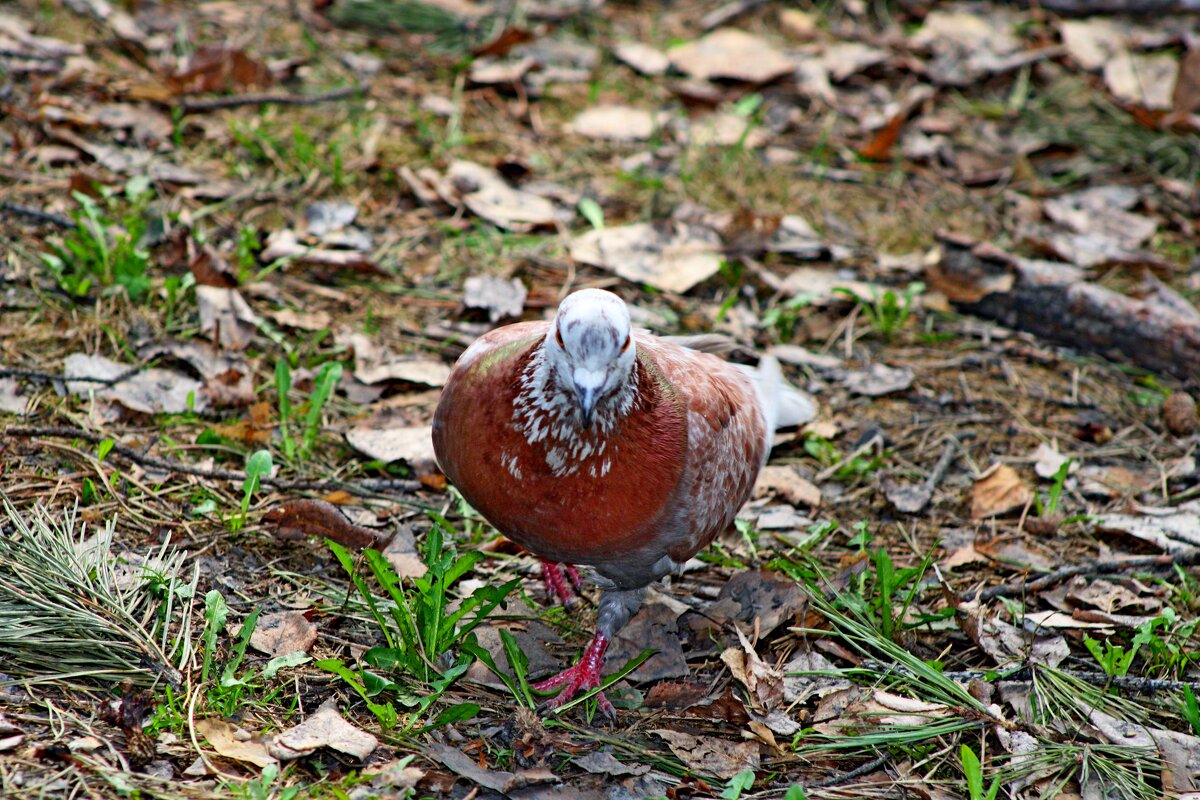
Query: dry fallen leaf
<point x="709" y="755"/>
<point x="1146" y="81"/>
<point x="879" y="379"/>
<point x="500" y="298"/>
<point x="148" y="391"/>
<point x="226" y="317"/>
<point x="997" y="491"/>
<point x="485" y="192"/>
<point x="614" y="123"/>
<point x="325" y="728"/>
<point x="284" y="633"/>
<point x="233" y="742"/>
<point x="671" y="257"/>
<point x="411" y="443"/>
<point x="731" y="54"/>
<point x="785" y="482"/>
<point x="642" y="57"/>
<point x="319" y="518"/>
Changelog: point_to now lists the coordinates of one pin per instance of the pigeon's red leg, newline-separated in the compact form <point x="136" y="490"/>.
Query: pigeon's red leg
<point x="584" y="675"/>
<point x="556" y="584"/>
<point x="574" y="576"/>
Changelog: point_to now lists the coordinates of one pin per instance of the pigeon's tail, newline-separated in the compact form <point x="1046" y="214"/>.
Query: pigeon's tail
<point x="783" y="405"/>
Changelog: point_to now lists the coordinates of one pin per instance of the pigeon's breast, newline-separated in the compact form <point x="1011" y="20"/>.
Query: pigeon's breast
<point x="564" y="494"/>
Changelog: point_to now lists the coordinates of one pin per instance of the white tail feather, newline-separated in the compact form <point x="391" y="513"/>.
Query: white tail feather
<point x="783" y="405"/>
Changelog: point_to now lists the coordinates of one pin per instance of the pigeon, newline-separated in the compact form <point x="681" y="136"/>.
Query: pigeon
<point x="588" y="442"/>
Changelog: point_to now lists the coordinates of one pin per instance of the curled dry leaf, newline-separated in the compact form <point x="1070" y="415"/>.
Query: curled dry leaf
<point x="879" y="379"/>
<point x="997" y="491"/>
<point x="286" y="244"/>
<point x="325" y="728"/>
<point x="671" y="257"/>
<point x="284" y="633"/>
<point x="709" y="755"/>
<point x="762" y="681"/>
<point x="858" y="708"/>
<point x="1179" y="414"/>
<point x="1172" y="530"/>
<point x="235" y="743"/>
<point x="319" y="518"/>
<point x="785" y="482"/>
<point x="731" y="54"/>
<point x="486" y="194"/>
<point x="10" y="734"/>
<point x="226" y="317"/>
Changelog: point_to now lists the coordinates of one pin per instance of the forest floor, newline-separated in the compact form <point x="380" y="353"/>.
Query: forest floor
<point x="244" y="242"/>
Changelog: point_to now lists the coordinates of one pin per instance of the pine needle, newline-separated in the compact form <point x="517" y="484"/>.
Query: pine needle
<point x="73" y="611"/>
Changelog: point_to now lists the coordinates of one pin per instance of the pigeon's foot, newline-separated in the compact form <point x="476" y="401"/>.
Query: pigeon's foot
<point x="584" y="675"/>
<point x="555" y="576"/>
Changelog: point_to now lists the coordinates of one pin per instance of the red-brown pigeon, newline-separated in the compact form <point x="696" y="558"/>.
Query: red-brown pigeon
<point x="587" y="442"/>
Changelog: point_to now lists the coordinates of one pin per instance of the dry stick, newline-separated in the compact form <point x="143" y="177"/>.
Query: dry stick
<point x="37" y="214"/>
<point x="364" y="488"/>
<point x="1183" y="558"/>
<point x="1129" y="683"/>
<point x="846" y="777"/>
<point x="34" y="375"/>
<point x="239" y="100"/>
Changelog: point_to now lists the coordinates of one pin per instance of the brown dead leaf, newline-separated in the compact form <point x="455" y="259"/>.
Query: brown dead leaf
<point x="319" y="518"/>
<point x="709" y="755"/>
<point x="997" y="491"/>
<point x="325" y="728"/>
<point x="858" y="708"/>
<point x="654" y="626"/>
<point x="880" y="147"/>
<point x="785" y="482"/>
<point x="235" y="743"/>
<point x="216" y="68"/>
<point x="1170" y="529"/>
<point x="401" y="552"/>
<point x="763" y="682"/>
<point x="283" y="633"/>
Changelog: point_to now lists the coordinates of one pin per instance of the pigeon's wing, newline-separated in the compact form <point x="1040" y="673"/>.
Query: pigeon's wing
<point x="727" y="440"/>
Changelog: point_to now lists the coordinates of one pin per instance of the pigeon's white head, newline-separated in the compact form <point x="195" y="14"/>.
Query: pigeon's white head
<point x="590" y="349"/>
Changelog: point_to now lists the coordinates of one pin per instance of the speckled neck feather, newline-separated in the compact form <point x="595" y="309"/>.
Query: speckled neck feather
<point x="547" y="415"/>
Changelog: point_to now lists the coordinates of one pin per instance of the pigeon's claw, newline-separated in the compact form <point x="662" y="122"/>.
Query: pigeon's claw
<point x="555" y="577"/>
<point x="581" y="677"/>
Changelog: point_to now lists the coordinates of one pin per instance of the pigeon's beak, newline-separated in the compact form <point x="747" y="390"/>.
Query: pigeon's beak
<point x="587" y="392"/>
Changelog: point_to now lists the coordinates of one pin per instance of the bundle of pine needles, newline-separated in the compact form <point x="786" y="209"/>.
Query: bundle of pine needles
<point x="71" y="610"/>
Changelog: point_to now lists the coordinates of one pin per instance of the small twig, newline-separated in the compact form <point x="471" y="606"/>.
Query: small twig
<point x="239" y="100"/>
<point x="1184" y="558"/>
<point x="170" y="465"/>
<point x="727" y="13"/>
<point x="832" y="469"/>
<point x="846" y="777"/>
<point x="1128" y="683"/>
<point x="51" y="377"/>
<point x="37" y="214"/>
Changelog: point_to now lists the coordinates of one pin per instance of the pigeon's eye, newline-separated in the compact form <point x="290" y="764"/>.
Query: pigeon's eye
<point x="628" y="341"/>
<point x="558" y="338"/>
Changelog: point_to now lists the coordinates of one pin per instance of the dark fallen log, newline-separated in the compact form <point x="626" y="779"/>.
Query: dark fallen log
<point x="1159" y="332"/>
<point x="1133" y="7"/>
